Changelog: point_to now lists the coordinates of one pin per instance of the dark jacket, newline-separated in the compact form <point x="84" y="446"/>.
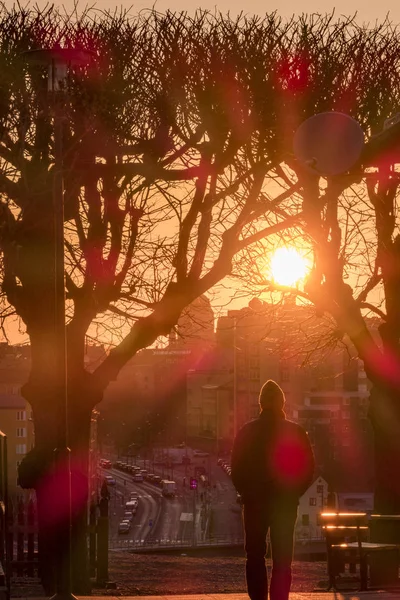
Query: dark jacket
<point x="272" y="459"/>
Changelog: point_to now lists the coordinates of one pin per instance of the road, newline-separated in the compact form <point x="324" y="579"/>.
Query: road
<point x="166" y="520"/>
<point x="148" y="509"/>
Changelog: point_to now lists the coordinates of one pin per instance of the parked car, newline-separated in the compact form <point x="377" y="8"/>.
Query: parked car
<point x="134" y="496"/>
<point x="128" y="516"/>
<point x="138" y="477"/>
<point x="156" y="479"/>
<point x="110" y="480"/>
<point x="200" y="453"/>
<point x="124" y="527"/>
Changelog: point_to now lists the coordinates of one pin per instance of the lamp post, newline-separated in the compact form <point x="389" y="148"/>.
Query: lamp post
<point x="235" y="416"/>
<point x="58" y="62"/>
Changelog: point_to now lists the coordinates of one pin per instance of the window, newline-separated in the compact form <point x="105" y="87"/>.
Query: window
<point x="305" y="520"/>
<point x="254" y="362"/>
<point x="284" y="373"/>
<point x="320" y="489"/>
<point x="254" y="375"/>
<point x="21" y="432"/>
<point x="313" y="502"/>
<point x="21" y="415"/>
<point x="10" y="389"/>
<point x="255" y="386"/>
<point x="20" y="448"/>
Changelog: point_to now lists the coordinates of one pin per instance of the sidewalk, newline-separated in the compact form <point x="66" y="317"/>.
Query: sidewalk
<point x="373" y="595"/>
<point x="294" y="596"/>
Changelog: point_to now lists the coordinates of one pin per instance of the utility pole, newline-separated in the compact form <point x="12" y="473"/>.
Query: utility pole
<point x="194" y="517"/>
<point x="59" y="62"/>
<point x="234" y="377"/>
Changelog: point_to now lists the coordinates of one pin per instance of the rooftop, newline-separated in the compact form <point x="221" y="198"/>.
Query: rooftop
<point x="12" y="401"/>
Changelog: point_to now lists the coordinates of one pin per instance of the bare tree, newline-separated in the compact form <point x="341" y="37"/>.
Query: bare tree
<point x="177" y="159"/>
<point x="167" y="145"/>
<point x="351" y="222"/>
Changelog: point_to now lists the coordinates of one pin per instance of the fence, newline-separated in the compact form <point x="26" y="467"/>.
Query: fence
<point x="308" y="546"/>
<point x="22" y="542"/>
<point x="19" y="543"/>
<point x="154" y="544"/>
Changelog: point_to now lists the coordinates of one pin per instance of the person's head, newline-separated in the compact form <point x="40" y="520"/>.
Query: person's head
<point x="271" y="398"/>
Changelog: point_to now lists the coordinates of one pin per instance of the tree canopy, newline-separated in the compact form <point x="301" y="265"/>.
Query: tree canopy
<point x="178" y="156"/>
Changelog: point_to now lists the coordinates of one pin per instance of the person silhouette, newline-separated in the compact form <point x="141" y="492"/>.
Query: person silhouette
<point x="272" y="466"/>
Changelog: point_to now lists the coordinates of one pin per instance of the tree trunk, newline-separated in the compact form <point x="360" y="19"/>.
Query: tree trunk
<point x="385" y="419"/>
<point x="39" y="470"/>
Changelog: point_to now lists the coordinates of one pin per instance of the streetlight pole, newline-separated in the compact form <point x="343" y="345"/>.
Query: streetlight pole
<point x="234" y="377"/>
<point x="59" y="61"/>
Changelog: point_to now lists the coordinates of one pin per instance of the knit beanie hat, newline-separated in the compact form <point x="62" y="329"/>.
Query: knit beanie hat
<point x="271" y="396"/>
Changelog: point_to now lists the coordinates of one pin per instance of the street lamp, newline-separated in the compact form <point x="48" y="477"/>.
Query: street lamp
<point x="58" y="62"/>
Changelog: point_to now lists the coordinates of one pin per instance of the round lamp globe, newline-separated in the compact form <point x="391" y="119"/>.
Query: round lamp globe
<point x="329" y="143"/>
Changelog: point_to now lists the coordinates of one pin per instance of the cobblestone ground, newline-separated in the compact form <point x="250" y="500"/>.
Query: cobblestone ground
<point x="149" y="574"/>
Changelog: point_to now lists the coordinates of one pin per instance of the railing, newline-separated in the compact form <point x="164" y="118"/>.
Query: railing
<point x="152" y="543"/>
<point x="4" y="552"/>
<point x="23" y="541"/>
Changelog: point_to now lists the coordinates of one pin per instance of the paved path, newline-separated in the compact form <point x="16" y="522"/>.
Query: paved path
<point x="293" y="596"/>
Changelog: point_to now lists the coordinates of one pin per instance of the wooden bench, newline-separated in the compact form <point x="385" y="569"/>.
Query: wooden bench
<point x="347" y="542"/>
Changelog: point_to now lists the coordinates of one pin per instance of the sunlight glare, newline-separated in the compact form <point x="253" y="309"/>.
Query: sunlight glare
<point x="288" y="266"/>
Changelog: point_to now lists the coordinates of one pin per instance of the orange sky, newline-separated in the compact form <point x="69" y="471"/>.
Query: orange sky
<point x="367" y="11"/>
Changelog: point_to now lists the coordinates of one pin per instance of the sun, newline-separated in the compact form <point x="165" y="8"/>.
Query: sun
<point x="288" y="266"/>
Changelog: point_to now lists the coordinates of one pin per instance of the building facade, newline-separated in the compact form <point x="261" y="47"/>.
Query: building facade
<point x="17" y="424"/>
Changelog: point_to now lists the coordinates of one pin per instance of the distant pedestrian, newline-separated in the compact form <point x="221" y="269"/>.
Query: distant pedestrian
<point x="272" y="466"/>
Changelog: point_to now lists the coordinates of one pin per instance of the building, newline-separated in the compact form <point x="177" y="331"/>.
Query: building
<point x="15" y="412"/>
<point x="147" y="405"/>
<point x="196" y="324"/>
<point x="326" y="388"/>
<point x="16" y="423"/>
<point x="209" y="404"/>
<point x="311" y="503"/>
<point x="335" y="415"/>
<point x="16" y="418"/>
